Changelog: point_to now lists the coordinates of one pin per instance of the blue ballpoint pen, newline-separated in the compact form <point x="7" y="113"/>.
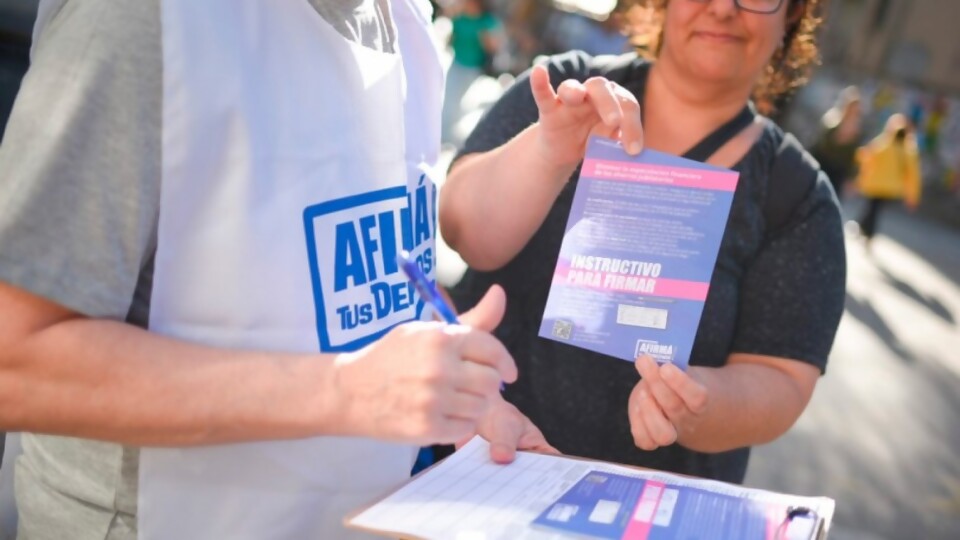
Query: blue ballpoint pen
<point x="428" y="291"/>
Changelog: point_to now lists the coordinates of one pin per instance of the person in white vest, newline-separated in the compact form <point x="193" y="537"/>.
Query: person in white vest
<point x="204" y="333"/>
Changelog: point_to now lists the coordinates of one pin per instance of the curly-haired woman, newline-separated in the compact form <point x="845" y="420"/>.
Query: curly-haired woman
<point x="777" y="291"/>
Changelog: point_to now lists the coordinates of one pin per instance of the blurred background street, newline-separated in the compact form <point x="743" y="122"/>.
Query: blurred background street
<point x="882" y="434"/>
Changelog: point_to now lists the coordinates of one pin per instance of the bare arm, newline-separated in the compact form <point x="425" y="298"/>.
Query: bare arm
<point x="492" y="203"/>
<point x="62" y="373"/>
<point x="752" y="400"/>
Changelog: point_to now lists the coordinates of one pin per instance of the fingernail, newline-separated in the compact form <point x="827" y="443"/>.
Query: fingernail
<point x="670" y="371"/>
<point x="667" y="371"/>
<point x="635" y="148"/>
<point x="504" y="453"/>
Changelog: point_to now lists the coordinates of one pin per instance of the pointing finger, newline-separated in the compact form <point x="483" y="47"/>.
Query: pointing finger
<point x="631" y="124"/>
<point x="543" y="93"/>
<point x="505" y="438"/>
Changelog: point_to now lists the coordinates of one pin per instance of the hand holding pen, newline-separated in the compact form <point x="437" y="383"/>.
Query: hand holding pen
<point x="427" y="382"/>
<point x="428" y="291"/>
<point x="504" y="427"/>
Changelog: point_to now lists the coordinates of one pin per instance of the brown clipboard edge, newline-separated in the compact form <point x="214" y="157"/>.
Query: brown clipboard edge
<point x="820" y="530"/>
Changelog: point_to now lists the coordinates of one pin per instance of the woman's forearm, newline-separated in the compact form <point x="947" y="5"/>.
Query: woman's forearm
<point x="750" y="402"/>
<point x="492" y="203"/>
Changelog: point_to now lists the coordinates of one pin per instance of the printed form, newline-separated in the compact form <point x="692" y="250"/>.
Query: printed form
<point x="468" y="497"/>
<point x="541" y="497"/>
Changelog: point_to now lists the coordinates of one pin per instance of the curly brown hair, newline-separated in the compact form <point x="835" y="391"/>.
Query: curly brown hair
<point x="788" y="68"/>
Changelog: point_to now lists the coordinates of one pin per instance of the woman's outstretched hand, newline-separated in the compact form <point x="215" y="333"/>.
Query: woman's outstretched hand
<point x="577" y="110"/>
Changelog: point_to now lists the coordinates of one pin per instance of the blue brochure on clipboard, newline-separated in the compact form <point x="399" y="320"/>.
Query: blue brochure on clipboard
<point x="618" y="507"/>
<point x="638" y="252"/>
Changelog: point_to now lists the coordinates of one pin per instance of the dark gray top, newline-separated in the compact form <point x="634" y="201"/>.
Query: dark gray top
<point x="773" y="292"/>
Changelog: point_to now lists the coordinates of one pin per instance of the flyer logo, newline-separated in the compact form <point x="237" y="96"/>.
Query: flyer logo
<point x="656" y="350"/>
<point x="359" y="291"/>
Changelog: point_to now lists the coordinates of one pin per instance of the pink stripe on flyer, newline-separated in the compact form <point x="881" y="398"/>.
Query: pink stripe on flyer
<point x="687" y="290"/>
<point x="642" y="286"/>
<point x="659" y="174"/>
<point x="775" y="514"/>
<point x="641" y="522"/>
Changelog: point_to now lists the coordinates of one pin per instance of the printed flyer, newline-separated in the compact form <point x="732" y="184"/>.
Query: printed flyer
<point x="639" y="249"/>
<point x="614" y="506"/>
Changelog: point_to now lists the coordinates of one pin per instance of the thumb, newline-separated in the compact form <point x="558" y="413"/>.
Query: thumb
<point x="488" y="313"/>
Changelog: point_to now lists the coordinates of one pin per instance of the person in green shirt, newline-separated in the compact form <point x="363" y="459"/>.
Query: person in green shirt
<point x="474" y="38"/>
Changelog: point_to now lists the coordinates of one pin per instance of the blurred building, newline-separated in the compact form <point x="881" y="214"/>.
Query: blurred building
<point x="904" y="55"/>
<point x="912" y="42"/>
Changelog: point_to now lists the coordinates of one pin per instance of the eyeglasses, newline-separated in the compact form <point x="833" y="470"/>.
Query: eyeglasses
<point x="763" y="7"/>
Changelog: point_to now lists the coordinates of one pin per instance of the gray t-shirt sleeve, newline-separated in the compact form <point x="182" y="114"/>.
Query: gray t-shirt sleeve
<point x="80" y="160"/>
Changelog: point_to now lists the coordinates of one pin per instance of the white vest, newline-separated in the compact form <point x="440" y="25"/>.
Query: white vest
<point x="295" y="166"/>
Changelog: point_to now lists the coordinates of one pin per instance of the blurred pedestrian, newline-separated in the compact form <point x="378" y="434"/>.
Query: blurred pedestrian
<point x="885" y="100"/>
<point x="204" y="332"/>
<point x="475" y="39"/>
<point x="889" y="171"/>
<point x="577" y="31"/>
<point x="839" y="138"/>
<point x="777" y="292"/>
<point x="934" y="126"/>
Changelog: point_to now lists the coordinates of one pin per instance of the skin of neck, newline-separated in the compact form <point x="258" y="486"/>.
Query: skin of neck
<point x="701" y="106"/>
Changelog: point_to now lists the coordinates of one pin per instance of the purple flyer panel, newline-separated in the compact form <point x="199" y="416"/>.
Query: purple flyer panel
<point x="640" y="246"/>
<point x="616" y="507"/>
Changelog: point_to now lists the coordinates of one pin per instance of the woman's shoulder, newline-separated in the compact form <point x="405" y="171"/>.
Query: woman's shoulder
<point x="776" y="145"/>
<point x="784" y="173"/>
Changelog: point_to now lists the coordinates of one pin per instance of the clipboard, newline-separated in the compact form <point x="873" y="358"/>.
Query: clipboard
<point x="348" y="519"/>
<point x="467" y="497"/>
